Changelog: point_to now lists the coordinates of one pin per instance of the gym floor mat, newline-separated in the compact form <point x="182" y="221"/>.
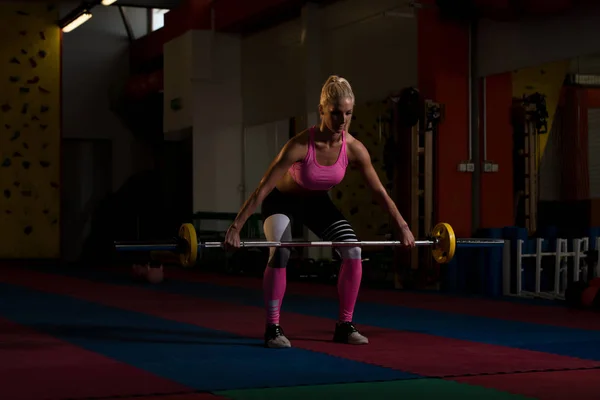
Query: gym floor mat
<point x="211" y="342"/>
<point x="523" y="335"/>
<point x="193" y="356"/>
<point x="413" y="352"/>
<point x="425" y="389"/>
<point x="38" y="366"/>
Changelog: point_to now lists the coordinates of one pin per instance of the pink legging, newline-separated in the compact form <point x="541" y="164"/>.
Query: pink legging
<point x="277" y="228"/>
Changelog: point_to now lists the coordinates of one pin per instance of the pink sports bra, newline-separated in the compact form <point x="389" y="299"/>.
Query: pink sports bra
<point x="309" y="174"/>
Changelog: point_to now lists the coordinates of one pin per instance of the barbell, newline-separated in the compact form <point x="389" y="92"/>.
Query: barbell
<point x="442" y="240"/>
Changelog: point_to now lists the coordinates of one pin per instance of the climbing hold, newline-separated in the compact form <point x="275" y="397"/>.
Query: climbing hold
<point x="24" y="90"/>
<point x="33" y="81"/>
<point x="26" y="164"/>
<point x="42" y="54"/>
<point x="15" y="136"/>
<point x="28" y="229"/>
<point x="17" y="154"/>
<point x="6" y="107"/>
<point x="6" y="162"/>
<point x="7" y="193"/>
<point x="42" y="90"/>
<point x="14" y="79"/>
<point x="25" y="108"/>
<point x="32" y="62"/>
<point x="45" y="164"/>
<point x="15" y="60"/>
<point x="44" y="109"/>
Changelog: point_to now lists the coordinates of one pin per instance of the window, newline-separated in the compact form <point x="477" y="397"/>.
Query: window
<point x="158" y="18"/>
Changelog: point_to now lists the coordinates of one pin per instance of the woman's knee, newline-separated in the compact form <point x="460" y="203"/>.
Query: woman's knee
<point x="279" y="257"/>
<point x="277" y="228"/>
<point x="350" y="253"/>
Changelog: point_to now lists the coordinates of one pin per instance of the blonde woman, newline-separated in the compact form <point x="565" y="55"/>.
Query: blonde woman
<point x="295" y="187"/>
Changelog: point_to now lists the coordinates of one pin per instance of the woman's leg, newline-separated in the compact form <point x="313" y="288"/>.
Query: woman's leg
<point x="277" y="227"/>
<point x="327" y="222"/>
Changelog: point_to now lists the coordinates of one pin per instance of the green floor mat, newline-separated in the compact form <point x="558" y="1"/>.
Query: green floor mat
<point x="405" y="389"/>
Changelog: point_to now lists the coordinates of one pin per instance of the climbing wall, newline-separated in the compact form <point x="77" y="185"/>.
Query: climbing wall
<point x="371" y="125"/>
<point x="546" y="79"/>
<point x="29" y="130"/>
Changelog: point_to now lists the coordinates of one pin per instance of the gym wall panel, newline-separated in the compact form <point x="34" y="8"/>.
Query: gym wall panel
<point x="30" y="95"/>
<point x="177" y="70"/>
<point x="272" y="74"/>
<point x="262" y="143"/>
<point x="594" y="151"/>
<point x="218" y="125"/>
<point x="373" y="44"/>
<point x="497" y="199"/>
<point x="504" y="46"/>
<point x="377" y="53"/>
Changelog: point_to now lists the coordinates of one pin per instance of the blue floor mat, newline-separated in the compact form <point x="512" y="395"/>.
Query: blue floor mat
<point x="529" y="336"/>
<point x="200" y="358"/>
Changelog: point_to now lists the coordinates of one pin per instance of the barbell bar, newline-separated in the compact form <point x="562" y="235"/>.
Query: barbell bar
<point x="442" y="241"/>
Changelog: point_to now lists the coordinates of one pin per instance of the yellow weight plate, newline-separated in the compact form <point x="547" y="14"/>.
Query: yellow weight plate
<point x="187" y="232"/>
<point x="443" y="250"/>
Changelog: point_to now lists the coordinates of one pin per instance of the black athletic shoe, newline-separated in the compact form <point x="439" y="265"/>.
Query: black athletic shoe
<point x="275" y="338"/>
<point x="346" y="332"/>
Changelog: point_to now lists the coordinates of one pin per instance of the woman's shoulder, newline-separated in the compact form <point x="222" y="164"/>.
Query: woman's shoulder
<point x="354" y="147"/>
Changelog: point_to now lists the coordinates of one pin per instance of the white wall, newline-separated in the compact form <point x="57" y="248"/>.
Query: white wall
<point x="377" y="53"/>
<point x="217" y="122"/>
<point x="95" y="64"/>
<point x="272" y="74"/>
<point x="505" y="46"/>
<point x="177" y="75"/>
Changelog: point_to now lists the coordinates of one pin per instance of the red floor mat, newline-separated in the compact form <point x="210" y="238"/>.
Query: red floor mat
<point x="38" y="366"/>
<point x="580" y="385"/>
<point x="557" y="316"/>
<point x="421" y="354"/>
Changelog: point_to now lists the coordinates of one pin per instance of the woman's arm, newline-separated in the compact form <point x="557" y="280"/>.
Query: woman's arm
<point x="362" y="160"/>
<point x="292" y="152"/>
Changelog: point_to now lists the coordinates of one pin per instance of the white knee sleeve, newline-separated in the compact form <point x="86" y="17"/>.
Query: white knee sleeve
<point x="277" y="228"/>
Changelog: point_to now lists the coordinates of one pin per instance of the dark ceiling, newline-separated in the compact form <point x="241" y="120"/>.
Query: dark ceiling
<point x="164" y="4"/>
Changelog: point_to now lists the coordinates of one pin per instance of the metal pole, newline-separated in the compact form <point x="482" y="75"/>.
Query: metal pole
<point x="149" y="246"/>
